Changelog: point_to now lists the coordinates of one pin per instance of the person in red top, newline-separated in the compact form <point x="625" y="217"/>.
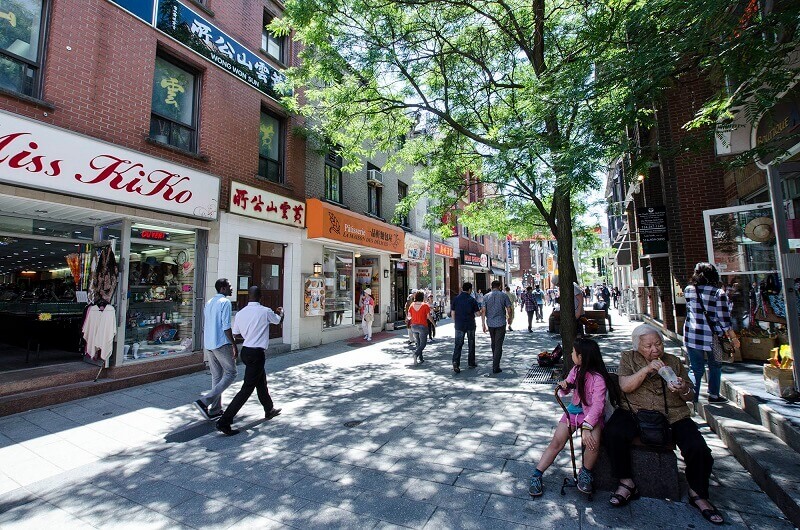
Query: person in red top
<point x="420" y="314"/>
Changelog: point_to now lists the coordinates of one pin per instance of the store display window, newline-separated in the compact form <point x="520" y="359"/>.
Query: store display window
<point x="337" y="267"/>
<point x="161" y="285"/>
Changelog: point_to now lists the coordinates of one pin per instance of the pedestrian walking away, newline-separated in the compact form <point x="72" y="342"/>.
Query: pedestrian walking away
<point x="463" y="309"/>
<point x="420" y="315"/>
<point x="252" y="323"/>
<point x="367" y="313"/>
<point x="538" y="295"/>
<point x="707" y="312"/>
<point x="409" y="301"/>
<point x="496" y="310"/>
<point x="221" y="349"/>
<point x="513" y="299"/>
<point x="432" y="321"/>
<point x="530" y="306"/>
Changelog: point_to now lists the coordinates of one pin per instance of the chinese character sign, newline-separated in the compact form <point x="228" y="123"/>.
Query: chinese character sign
<point x="260" y="204"/>
<point x="195" y="32"/>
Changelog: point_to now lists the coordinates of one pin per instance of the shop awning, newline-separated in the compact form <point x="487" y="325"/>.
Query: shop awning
<point x="498" y="272"/>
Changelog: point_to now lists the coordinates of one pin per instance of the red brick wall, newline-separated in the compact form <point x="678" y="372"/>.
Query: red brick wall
<point x="102" y="88"/>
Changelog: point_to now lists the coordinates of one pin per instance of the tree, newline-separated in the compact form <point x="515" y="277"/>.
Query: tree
<point x="505" y="92"/>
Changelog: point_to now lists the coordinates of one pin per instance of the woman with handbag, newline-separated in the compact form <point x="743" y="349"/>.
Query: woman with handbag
<point x="656" y="411"/>
<point x="707" y="329"/>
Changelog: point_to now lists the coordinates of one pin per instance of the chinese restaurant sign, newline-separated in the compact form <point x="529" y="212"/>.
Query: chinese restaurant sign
<point x="440" y="249"/>
<point x="142" y="9"/>
<point x="331" y="222"/>
<point x="202" y="37"/>
<point x="474" y="260"/>
<point x="47" y="158"/>
<point x="260" y="204"/>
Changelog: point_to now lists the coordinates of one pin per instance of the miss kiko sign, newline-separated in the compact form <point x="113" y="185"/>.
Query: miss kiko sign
<point x="46" y="158"/>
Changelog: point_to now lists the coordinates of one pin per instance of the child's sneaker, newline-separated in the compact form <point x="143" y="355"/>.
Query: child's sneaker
<point x="536" y="487"/>
<point x="585" y="480"/>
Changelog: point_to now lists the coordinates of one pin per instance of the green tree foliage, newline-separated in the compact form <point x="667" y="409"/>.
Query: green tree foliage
<point x="506" y="91"/>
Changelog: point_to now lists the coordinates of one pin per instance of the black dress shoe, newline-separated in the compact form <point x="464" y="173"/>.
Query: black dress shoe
<point x="473" y="366"/>
<point x="496" y="370"/>
<point x="456" y="369"/>
<point x="226" y="429"/>
<point x="272" y="413"/>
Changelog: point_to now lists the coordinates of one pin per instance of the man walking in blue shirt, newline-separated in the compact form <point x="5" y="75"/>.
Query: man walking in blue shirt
<point x="463" y="309"/>
<point x="496" y="309"/>
<point x="222" y="351"/>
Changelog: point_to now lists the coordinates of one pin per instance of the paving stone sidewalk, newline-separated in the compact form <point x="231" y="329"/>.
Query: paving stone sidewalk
<point x="366" y="440"/>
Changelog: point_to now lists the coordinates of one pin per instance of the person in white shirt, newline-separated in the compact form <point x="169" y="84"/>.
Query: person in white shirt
<point x="252" y="323"/>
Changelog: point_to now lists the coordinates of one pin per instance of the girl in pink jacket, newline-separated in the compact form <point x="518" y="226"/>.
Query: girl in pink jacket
<point x="586" y="411"/>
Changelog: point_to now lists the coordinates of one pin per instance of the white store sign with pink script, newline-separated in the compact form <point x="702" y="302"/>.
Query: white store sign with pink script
<point x="47" y="158"/>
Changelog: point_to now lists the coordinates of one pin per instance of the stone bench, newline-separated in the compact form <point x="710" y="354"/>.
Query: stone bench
<point x="655" y="472"/>
<point x="600" y="317"/>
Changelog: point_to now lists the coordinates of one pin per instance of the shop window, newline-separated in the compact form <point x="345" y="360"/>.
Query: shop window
<point x="270" y="148"/>
<point x="161" y="287"/>
<point x="333" y="177"/>
<point x="271" y="44"/>
<point x="337" y="268"/>
<point x="173" y="119"/>
<point x="402" y="193"/>
<point x="21" y="38"/>
<point x="375" y="200"/>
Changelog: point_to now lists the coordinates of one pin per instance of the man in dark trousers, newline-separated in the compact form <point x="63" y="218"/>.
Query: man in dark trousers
<point x="252" y="323"/>
<point x="463" y="309"/>
<point x="496" y="309"/>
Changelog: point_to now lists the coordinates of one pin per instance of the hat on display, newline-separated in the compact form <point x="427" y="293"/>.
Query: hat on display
<point x="134" y="257"/>
<point x="368" y="291"/>
<point x="760" y="230"/>
<point x="169" y="260"/>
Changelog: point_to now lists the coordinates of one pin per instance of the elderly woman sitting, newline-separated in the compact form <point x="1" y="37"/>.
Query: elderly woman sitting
<point x="646" y="390"/>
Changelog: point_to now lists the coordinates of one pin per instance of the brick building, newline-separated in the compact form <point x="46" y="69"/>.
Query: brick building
<point x="152" y="128"/>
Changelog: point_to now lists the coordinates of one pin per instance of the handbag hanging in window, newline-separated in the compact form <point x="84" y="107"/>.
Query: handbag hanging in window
<point x="654" y="427"/>
<point x="721" y="346"/>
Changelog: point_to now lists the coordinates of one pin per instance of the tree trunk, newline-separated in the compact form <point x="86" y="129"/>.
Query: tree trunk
<point x="566" y="273"/>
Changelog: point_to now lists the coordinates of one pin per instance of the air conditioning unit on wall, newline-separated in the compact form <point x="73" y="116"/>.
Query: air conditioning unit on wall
<point x="374" y="177"/>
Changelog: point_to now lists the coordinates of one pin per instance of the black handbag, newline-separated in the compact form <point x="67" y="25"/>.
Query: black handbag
<point x="654" y="427"/>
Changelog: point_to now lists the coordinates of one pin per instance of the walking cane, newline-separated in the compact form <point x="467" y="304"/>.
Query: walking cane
<point x="569" y="482"/>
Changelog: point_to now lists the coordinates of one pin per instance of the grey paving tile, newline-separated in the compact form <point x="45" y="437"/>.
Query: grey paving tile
<point x="155" y="494"/>
<point x="539" y="513"/>
<point x="763" y="522"/>
<point x="202" y="512"/>
<point x="317" y="467"/>
<point x="448" y="497"/>
<point x="427" y="471"/>
<point x="448" y="519"/>
<point x="317" y="516"/>
<point x="664" y="514"/>
<point x="367" y="459"/>
<point x="754" y="502"/>
<point x="397" y="510"/>
<point x="324" y="492"/>
<point x="378" y="481"/>
<point x="36" y="516"/>
<point x="485" y="463"/>
<point x="500" y="484"/>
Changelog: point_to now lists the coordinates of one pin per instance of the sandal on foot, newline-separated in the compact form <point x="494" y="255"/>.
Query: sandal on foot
<point x="708" y="513"/>
<point x="633" y="494"/>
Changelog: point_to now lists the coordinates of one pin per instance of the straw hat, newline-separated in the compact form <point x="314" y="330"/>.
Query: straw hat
<point x="134" y="257"/>
<point x="760" y="230"/>
<point x="168" y="260"/>
<point x="368" y="291"/>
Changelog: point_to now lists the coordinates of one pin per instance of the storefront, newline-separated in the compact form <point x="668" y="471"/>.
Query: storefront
<point x="347" y="253"/>
<point x="259" y="243"/>
<point x="498" y="271"/>
<point x="91" y="232"/>
<point x="475" y="269"/>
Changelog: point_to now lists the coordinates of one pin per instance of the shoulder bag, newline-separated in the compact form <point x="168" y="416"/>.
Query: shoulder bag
<point x="721" y="346"/>
<point x="654" y="428"/>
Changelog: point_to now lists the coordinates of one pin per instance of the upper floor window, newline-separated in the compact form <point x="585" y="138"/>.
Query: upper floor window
<point x="21" y="44"/>
<point x="273" y="45"/>
<point x="333" y="177"/>
<point x="402" y="193"/>
<point x="270" y="148"/>
<point x="464" y="231"/>
<point x="173" y="118"/>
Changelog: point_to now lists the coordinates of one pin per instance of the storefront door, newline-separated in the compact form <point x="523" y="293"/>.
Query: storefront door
<point x="261" y="263"/>
<point x="400" y="291"/>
